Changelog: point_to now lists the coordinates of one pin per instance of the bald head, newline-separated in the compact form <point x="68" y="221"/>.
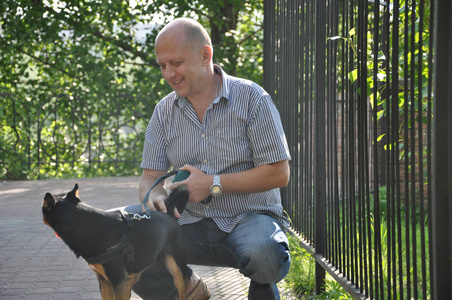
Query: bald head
<point x="194" y="33"/>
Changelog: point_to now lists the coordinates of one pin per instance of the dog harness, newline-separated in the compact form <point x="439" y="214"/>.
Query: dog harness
<point x="123" y="248"/>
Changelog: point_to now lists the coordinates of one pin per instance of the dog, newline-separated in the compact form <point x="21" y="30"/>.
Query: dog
<point x="118" y="246"/>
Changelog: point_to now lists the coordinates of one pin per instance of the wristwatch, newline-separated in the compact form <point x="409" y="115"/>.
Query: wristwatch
<point x="216" y="188"/>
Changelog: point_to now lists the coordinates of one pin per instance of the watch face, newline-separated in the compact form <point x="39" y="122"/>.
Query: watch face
<point x="216" y="189"/>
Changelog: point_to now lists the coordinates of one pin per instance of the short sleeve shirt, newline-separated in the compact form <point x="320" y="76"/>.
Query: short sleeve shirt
<point x="241" y="129"/>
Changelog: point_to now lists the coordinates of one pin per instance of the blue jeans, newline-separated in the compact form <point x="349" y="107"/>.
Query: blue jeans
<point x="257" y="246"/>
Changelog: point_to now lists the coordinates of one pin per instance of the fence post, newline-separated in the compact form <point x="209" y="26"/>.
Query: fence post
<point x="319" y="143"/>
<point x="442" y="155"/>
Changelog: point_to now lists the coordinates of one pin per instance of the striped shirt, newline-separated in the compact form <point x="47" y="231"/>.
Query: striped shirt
<point x="241" y="129"/>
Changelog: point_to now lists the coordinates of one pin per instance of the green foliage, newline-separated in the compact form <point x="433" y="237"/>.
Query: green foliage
<point x="301" y="276"/>
<point x="14" y="142"/>
<point x="387" y="229"/>
<point x="236" y="30"/>
<point x="334" y="291"/>
<point x="409" y="104"/>
<point x="77" y="56"/>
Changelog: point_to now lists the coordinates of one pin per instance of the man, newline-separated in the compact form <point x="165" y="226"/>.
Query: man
<point x="227" y="133"/>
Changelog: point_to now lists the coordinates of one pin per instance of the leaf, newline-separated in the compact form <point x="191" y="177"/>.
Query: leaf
<point x="353" y="75"/>
<point x="371" y="101"/>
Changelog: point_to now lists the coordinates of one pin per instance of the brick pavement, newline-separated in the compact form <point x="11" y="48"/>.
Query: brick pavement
<point x="34" y="264"/>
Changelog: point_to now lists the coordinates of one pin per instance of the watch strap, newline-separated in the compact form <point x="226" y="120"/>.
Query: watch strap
<point x="216" y="180"/>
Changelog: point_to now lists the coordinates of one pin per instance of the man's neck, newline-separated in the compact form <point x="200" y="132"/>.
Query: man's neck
<point x="209" y="93"/>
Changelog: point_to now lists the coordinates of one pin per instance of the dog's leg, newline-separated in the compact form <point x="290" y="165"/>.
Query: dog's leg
<point x="106" y="289"/>
<point x="174" y="269"/>
<point x="134" y="278"/>
<point x="105" y="286"/>
<point x="123" y="290"/>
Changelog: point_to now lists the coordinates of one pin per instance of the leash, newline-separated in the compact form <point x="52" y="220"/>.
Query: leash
<point x="160" y="179"/>
<point x="180" y="175"/>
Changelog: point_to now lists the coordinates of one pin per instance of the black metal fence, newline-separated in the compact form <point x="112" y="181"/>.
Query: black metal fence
<point x="66" y="135"/>
<point x="353" y="82"/>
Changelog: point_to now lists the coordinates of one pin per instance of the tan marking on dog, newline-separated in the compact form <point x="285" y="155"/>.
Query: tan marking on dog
<point x="122" y="291"/>
<point x="98" y="269"/>
<point x="134" y="278"/>
<point x="45" y="221"/>
<point x="106" y="288"/>
<point x="173" y="268"/>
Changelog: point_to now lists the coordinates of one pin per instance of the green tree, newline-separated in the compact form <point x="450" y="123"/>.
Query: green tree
<point x="98" y="50"/>
<point x="236" y="29"/>
<point x="95" y="44"/>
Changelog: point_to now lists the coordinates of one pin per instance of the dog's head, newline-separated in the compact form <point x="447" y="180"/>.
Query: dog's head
<point x="55" y="211"/>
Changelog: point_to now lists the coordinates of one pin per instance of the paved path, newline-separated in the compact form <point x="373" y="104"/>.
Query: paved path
<point x="34" y="264"/>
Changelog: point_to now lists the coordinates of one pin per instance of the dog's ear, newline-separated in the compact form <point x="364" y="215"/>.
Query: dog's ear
<point x="49" y="201"/>
<point x="73" y="195"/>
<point x="75" y="190"/>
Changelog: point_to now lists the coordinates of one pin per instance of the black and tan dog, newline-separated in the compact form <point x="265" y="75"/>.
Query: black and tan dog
<point x="119" y="246"/>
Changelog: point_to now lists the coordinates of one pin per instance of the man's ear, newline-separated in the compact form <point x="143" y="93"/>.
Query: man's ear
<point x="207" y="54"/>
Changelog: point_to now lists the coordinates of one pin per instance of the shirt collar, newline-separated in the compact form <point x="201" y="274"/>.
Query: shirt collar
<point x="224" y="91"/>
<point x="223" y="94"/>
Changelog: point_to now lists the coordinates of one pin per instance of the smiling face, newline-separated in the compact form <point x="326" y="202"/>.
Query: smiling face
<point x="184" y="64"/>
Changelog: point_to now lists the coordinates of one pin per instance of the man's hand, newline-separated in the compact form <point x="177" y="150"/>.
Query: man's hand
<point x="157" y="196"/>
<point x="155" y="203"/>
<point x="198" y="184"/>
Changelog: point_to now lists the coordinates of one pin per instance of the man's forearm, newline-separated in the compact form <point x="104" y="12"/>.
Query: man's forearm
<point x="256" y="180"/>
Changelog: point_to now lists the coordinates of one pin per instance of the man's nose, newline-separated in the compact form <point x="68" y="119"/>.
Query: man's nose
<point x="169" y="73"/>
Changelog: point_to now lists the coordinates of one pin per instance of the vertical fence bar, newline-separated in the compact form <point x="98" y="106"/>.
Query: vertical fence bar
<point x="413" y="167"/>
<point x="301" y="112"/>
<point x="429" y="140"/>
<point x="269" y="46"/>
<point x="342" y="116"/>
<point x="351" y="154"/>
<point x="319" y="141"/>
<point x="442" y="154"/>
<point x="376" y="182"/>
<point x="420" y="117"/>
<point x="393" y="191"/>
<point x="310" y="96"/>
<point x="406" y="82"/>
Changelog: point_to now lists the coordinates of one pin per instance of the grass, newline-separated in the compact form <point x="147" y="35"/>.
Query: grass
<point x="399" y="252"/>
<point x="300" y="279"/>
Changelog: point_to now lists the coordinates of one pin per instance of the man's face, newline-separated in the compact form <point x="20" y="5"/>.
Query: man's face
<point x="180" y="64"/>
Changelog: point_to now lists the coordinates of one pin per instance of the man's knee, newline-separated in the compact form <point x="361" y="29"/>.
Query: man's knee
<point x="267" y="264"/>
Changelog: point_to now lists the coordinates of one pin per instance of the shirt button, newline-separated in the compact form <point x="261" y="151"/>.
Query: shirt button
<point x="205" y="160"/>
<point x="203" y="135"/>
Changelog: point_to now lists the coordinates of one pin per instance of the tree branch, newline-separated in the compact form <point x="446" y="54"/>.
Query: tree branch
<point x="200" y="12"/>
<point x="50" y="64"/>
<point x="251" y="35"/>
<point x="124" y="46"/>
